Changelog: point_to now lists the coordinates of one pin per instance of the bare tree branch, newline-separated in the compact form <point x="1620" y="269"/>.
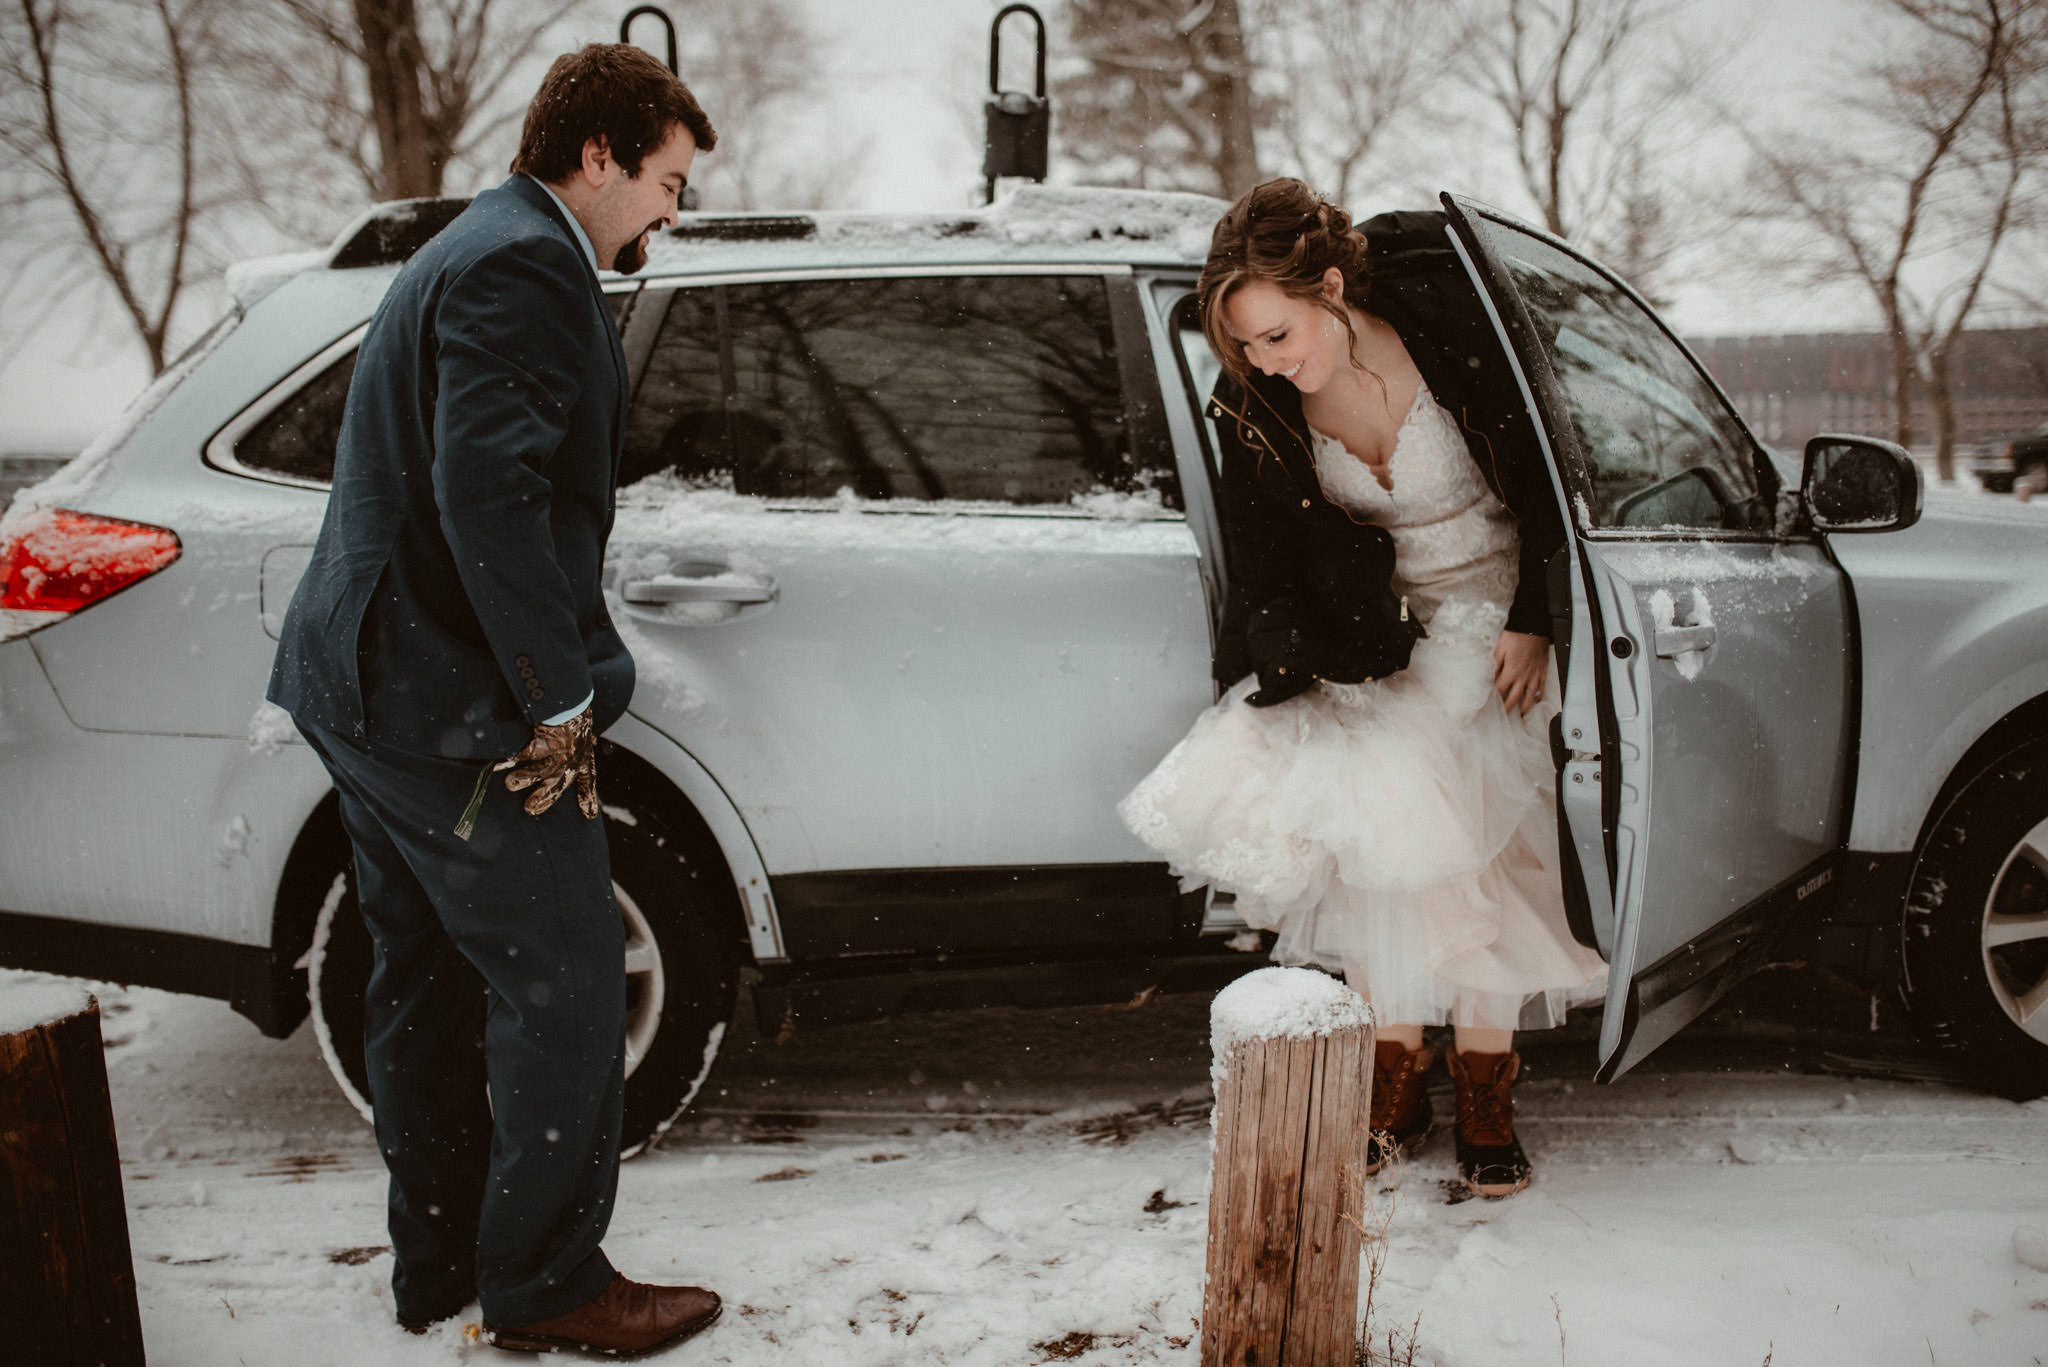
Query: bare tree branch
<point x="1594" y="98"/>
<point x="1952" y="111"/>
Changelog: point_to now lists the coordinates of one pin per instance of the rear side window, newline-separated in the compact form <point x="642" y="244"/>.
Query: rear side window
<point x="296" y="438"/>
<point x="984" y="388"/>
<point x="291" y="432"/>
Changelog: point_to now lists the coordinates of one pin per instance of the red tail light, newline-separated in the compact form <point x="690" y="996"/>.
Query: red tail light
<point x="57" y="561"/>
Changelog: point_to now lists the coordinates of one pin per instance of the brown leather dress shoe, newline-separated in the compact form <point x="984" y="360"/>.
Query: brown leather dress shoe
<point x="625" y="1319"/>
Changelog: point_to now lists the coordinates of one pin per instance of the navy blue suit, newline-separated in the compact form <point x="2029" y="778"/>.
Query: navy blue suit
<point x="453" y="598"/>
<point x="453" y="601"/>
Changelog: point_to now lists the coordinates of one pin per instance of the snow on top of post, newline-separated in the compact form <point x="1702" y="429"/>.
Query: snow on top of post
<point x="1282" y="1003"/>
<point x="24" y="1006"/>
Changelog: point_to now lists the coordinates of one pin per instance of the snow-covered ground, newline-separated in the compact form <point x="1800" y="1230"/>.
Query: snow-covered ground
<point x="1025" y="1187"/>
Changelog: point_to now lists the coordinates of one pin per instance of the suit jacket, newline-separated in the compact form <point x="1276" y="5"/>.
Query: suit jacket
<point x="1292" y="552"/>
<point x="454" y="598"/>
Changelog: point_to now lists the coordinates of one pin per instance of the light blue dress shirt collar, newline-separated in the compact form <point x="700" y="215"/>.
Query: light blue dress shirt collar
<point x="582" y="238"/>
<point x="590" y="254"/>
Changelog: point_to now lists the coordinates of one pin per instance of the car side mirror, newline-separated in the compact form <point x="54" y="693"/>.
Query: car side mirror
<point x="1859" y="484"/>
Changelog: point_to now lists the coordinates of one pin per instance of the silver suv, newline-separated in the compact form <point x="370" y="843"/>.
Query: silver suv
<point x="917" y="552"/>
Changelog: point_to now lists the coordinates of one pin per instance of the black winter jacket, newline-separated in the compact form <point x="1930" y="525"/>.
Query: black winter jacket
<point x="1300" y="566"/>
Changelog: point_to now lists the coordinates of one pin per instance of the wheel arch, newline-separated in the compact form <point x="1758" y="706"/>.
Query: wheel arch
<point x="630" y="782"/>
<point x="647" y="766"/>
<point x="319" y="848"/>
<point x="1938" y="705"/>
<point x="642" y="769"/>
<point x="2024" y="725"/>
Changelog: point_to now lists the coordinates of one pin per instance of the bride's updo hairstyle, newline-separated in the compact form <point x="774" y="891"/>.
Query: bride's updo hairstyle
<point x="1285" y="233"/>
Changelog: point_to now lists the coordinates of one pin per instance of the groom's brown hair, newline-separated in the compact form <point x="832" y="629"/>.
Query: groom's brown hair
<point x="613" y="91"/>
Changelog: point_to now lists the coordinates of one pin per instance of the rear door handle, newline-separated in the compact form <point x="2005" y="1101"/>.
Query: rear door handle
<point x="671" y="588"/>
<point x="1675" y="641"/>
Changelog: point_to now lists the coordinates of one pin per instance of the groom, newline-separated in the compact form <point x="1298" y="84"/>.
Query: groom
<point x="450" y="625"/>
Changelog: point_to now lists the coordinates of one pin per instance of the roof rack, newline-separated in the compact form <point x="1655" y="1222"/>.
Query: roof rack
<point x="392" y="231"/>
<point x="745" y="228"/>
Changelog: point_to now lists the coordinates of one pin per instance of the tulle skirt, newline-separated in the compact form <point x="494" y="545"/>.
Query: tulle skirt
<point x="1401" y="832"/>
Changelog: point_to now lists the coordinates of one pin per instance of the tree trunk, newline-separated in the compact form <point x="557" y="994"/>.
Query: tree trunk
<point x="395" y="63"/>
<point x="1941" y="394"/>
<point x="1230" y="82"/>
<point x="1902" y="383"/>
<point x="67" y="1279"/>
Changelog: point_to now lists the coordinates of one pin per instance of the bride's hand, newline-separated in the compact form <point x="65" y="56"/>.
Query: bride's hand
<point x="1520" y="662"/>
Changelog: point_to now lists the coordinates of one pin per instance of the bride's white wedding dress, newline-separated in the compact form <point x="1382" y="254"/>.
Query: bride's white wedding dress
<point x="1401" y="831"/>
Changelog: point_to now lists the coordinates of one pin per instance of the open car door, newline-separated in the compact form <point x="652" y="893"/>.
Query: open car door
<point x="1707" y="737"/>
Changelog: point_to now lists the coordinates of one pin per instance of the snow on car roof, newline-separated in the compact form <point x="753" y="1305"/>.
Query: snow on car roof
<point x="1032" y="224"/>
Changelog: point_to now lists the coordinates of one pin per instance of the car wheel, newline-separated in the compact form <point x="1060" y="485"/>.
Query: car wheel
<point x="1976" y="926"/>
<point x="682" y="977"/>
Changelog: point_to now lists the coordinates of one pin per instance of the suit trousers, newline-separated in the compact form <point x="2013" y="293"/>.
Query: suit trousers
<point x="493" y="1030"/>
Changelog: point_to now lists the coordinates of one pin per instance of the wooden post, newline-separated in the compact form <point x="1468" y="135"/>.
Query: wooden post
<point x="1293" y="1076"/>
<point x="67" y="1282"/>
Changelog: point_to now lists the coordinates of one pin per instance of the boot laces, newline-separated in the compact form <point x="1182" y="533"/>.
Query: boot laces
<point x="1391" y="1088"/>
<point x="1486" y="1110"/>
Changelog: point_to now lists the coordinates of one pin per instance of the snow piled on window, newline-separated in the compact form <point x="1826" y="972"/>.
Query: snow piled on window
<point x="1140" y="505"/>
<point x="1699" y="561"/>
<point x="75" y="479"/>
<point x="663" y="510"/>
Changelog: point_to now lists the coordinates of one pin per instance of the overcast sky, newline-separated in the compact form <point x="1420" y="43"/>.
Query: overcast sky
<point x="910" y="73"/>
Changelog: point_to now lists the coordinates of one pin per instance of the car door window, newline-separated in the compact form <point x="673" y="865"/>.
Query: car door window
<point x="1661" y="448"/>
<point x="997" y="389"/>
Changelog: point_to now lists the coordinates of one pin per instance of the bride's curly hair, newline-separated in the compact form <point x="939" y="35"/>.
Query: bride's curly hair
<point x="1283" y="232"/>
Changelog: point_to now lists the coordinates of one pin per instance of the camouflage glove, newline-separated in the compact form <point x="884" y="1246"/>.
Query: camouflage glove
<point x="556" y="757"/>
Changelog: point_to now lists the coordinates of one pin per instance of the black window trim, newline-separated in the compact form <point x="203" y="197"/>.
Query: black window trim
<point x="220" y="448"/>
<point x="1766" y="472"/>
<point x="219" y="451"/>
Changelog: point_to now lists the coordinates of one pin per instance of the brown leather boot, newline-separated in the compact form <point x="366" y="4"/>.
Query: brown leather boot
<point x="625" y="1319"/>
<point x="1401" y="1118"/>
<point x="1490" y="1158"/>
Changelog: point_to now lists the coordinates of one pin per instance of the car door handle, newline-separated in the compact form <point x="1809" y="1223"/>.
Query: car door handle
<point x="670" y="588"/>
<point x="1675" y="641"/>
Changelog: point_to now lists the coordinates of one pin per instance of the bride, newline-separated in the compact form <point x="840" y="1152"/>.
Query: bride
<point x="1379" y="789"/>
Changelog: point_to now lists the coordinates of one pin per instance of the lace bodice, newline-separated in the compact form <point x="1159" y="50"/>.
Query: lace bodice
<point x="1452" y="537"/>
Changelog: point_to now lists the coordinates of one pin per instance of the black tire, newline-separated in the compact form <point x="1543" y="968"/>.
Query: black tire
<point x="682" y="979"/>
<point x="1972" y="969"/>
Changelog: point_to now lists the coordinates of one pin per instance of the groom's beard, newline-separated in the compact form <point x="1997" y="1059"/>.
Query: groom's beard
<point x="633" y="255"/>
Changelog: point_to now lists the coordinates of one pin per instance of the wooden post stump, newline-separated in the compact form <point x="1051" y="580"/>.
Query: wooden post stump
<point x="1292" y="1067"/>
<point x="67" y="1281"/>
